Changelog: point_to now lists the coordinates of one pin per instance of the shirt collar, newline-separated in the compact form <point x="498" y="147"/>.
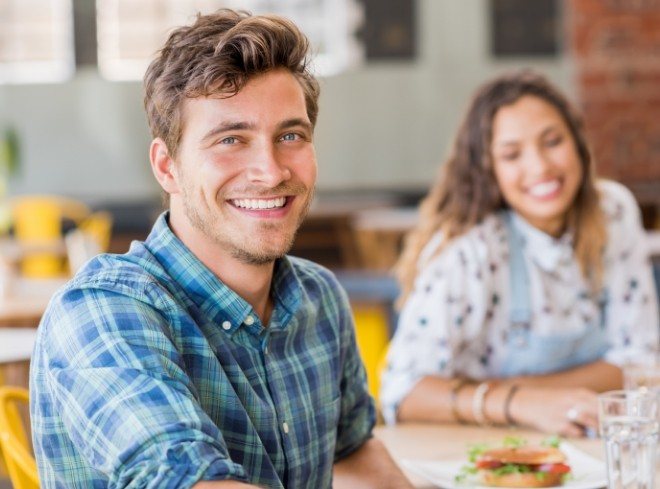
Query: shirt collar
<point x="215" y="300"/>
<point x="286" y="291"/>
<point x="546" y="251"/>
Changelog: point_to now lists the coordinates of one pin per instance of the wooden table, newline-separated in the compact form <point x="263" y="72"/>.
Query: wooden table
<point x="16" y="344"/>
<point x="21" y="306"/>
<point x="25" y="300"/>
<point x="379" y="234"/>
<point x="449" y="442"/>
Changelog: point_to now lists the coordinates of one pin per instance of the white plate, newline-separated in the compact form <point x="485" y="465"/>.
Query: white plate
<point x="588" y="472"/>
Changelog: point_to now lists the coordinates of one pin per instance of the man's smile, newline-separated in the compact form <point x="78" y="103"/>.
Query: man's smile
<point x="263" y="207"/>
<point x="256" y="204"/>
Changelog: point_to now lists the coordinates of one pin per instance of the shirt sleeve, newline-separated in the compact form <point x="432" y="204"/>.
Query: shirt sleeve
<point x="118" y="385"/>
<point x="441" y="326"/>
<point x="357" y="410"/>
<point x="631" y="310"/>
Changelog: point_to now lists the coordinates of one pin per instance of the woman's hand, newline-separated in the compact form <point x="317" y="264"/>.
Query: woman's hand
<point x="571" y="412"/>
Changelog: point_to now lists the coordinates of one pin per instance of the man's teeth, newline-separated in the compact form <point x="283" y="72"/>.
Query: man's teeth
<point x="260" y="203"/>
<point x="543" y="189"/>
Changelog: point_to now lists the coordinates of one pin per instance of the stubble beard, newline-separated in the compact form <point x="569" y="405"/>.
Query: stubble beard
<point x="260" y="256"/>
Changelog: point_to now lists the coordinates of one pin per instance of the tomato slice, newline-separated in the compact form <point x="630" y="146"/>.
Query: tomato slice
<point x="554" y="468"/>
<point x="488" y="464"/>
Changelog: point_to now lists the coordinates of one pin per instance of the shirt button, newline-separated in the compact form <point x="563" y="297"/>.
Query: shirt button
<point x="249" y="320"/>
<point x="226" y="325"/>
<point x="285" y="427"/>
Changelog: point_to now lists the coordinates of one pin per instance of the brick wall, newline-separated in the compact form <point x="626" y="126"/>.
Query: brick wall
<point x="616" y="47"/>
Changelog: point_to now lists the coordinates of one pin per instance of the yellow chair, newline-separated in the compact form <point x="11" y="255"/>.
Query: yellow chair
<point x="381" y="365"/>
<point x="91" y="237"/>
<point x="372" y="335"/>
<point x="99" y="227"/>
<point x="21" y="465"/>
<point x="37" y="223"/>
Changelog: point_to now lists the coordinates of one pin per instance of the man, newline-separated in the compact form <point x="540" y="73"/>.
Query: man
<point x="204" y="357"/>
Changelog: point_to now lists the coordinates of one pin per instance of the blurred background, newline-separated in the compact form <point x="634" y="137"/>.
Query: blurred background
<point x="396" y="76"/>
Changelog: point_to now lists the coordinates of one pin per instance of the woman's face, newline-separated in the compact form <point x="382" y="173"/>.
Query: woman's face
<point x="536" y="163"/>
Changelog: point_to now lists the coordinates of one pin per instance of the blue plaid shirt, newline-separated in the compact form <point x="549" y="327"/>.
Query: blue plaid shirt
<point x="149" y="372"/>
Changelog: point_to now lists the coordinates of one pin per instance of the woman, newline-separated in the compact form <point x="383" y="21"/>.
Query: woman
<point x="526" y="284"/>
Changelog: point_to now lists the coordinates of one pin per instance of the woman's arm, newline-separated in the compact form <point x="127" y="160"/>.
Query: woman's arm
<point x="541" y="402"/>
<point x="435" y="399"/>
<point x="631" y="313"/>
<point x="441" y="324"/>
<point x="598" y="376"/>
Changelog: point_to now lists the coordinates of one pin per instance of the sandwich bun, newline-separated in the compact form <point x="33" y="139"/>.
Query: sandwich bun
<point x="520" y="480"/>
<point x="531" y="456"/>
<point x="527" y="455"/>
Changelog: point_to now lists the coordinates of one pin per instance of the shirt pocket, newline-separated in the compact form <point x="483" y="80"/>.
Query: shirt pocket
<point x="325" y="442"/>
<point x="316" y="438"/>
<point x="327" y="419"/>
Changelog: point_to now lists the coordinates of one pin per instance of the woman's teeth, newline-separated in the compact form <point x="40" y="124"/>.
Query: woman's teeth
<point x="544" y="189"/>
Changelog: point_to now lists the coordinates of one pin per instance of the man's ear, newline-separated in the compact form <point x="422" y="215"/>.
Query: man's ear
<point x="163" y="166"/>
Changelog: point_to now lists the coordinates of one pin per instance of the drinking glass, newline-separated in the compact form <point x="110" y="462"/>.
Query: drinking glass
<point x="629" y="426"/>
<point x="645" y="376"/>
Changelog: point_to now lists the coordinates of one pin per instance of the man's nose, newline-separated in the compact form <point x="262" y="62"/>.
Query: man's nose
<point x="267" y="167"/>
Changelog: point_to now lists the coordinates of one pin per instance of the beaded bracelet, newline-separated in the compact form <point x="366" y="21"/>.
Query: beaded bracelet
<point x="507" y="405"/>
<point x="478" y="403"/>
<point x="453" y="398"/>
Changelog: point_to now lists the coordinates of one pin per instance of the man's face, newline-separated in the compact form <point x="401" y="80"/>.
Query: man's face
<point x="246" y="169"/>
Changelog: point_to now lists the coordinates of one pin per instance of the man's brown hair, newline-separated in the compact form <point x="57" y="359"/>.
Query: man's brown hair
<point x="218" y="55"/>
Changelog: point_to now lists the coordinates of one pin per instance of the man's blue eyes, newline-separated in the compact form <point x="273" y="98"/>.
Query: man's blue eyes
<point x="291" y="136"/>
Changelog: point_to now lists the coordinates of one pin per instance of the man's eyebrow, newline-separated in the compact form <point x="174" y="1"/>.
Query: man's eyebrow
<point x="289" y="123"/>
<point x="227" y="126"/>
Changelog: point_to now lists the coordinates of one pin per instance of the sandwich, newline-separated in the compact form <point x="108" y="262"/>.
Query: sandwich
<point x="522" y="466"/>
<point x="515" y="463"/>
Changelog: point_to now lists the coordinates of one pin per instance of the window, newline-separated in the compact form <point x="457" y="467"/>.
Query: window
<point x="36" y="41"/>
<point x="131" y="31"/>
